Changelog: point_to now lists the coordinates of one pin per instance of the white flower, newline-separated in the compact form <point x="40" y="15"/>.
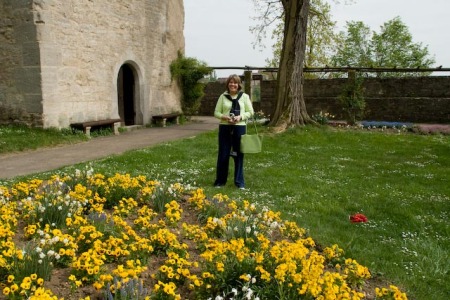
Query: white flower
<point x="41" y="255"/>
<point x="248" y="229"/>
<point x="50" y="253"/>
<point x="234" y="291"/>
<point x="219" y="298"/>
<point x="38" y="249"/>
<point x="249" y="293"/>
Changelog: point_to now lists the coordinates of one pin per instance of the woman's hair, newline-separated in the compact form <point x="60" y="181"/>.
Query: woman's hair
<point x="236" y="79"/>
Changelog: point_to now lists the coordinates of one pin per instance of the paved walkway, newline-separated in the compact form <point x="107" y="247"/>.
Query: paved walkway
<point x="47" y="159"/>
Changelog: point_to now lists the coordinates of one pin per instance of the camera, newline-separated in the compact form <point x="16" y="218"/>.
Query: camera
<point x="232" y="115"/>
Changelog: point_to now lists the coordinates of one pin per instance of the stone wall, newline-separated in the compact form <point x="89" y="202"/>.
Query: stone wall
<point x="20" y="88"/>
<point x="63" y="57"/>
<point x="422" y="99"/>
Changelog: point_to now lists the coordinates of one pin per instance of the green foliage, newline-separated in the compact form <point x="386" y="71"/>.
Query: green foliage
<point x="356" y="49"/>
<point x="352" y="99"/>
<point x="392" y="47"/>
<point x="189" y="71"/>
<point x="32" y="260"/>
<point x="322" y="118"/>
<point x="53" y="208"/>
<point x="321" y="39"/>
<point x="101" y="131"/>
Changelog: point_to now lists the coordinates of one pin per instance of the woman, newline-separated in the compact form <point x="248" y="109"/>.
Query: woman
<point x="233" y="108"/>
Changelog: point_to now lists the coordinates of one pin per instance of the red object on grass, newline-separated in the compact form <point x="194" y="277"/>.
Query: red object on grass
<point x="358" y="218"/>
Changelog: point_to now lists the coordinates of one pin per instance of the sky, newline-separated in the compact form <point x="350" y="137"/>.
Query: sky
<point x="217" y="31"/>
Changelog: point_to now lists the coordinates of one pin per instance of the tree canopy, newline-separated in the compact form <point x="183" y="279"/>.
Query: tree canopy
<point x="392" y="47"/>
<point x="321" y="37"/>
<point x="305" y="34"/>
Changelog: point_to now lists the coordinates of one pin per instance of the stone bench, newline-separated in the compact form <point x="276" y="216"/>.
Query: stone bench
<point x="114" y="124"/>
<point x="162" y="119"/>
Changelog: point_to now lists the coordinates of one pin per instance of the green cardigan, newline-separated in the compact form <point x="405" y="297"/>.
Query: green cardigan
<point x="223" y="107"/>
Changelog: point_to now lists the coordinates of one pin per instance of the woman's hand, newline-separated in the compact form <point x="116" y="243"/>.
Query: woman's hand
<point x="227" y="118"/>
<point x="232" y="120"/>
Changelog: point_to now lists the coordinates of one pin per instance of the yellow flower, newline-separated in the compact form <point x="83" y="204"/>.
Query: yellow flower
<point x="220" y="267"/>
<point x="6" y="291"/>
<point x="97" y="285"/>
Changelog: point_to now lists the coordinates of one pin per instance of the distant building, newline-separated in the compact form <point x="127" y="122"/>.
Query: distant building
<point x="70" y="61"/>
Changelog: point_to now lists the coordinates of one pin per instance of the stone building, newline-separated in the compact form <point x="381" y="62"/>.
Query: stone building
<point x="70" y="61"/>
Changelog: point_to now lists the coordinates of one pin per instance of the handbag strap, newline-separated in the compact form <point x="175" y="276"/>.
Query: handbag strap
<point x="254" y="123"/>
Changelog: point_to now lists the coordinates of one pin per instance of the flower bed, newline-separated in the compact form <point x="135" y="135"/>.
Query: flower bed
<point x="89" y="236"/>
<point x="384" y="124"/>
<point x="432" y="129"/>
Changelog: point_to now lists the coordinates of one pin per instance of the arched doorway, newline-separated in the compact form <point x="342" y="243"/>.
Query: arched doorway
<point x="126" y="95"/>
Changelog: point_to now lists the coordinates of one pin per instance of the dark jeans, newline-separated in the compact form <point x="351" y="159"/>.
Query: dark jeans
<point x="230" y="140"/>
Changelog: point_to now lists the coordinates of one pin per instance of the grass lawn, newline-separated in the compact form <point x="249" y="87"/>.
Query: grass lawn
<point x="20" y="138"/>
<point x="318" y="177"/>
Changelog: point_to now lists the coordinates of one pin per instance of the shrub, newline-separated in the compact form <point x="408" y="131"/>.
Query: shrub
<point x="189" y="71"/>
<point x="352" y="99"/>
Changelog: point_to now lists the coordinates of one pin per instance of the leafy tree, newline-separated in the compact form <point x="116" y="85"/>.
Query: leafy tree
<point x="392" y="47"/>
<point x="356" y="47"/>
<point x="321" y="37"/>
<point x="320" y="42"/>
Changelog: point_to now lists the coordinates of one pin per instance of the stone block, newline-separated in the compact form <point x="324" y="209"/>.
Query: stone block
<point x="20" y="4"/>
<point x="30" y="54"/>
<point x="27" y="33"/>
<point x="28" y="80"/>
<point x="33" y="103"/>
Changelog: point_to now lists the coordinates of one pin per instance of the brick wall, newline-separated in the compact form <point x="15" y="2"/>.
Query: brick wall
<point x="421" y="99"/>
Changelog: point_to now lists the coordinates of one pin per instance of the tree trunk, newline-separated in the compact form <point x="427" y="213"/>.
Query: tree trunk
<point x="291" y="109"/>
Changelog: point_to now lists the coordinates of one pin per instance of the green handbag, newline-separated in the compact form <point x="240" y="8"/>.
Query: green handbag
<point x="251" y="143"/>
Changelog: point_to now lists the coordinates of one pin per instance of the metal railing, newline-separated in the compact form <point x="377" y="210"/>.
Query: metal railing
<point x="328" y="69"/>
